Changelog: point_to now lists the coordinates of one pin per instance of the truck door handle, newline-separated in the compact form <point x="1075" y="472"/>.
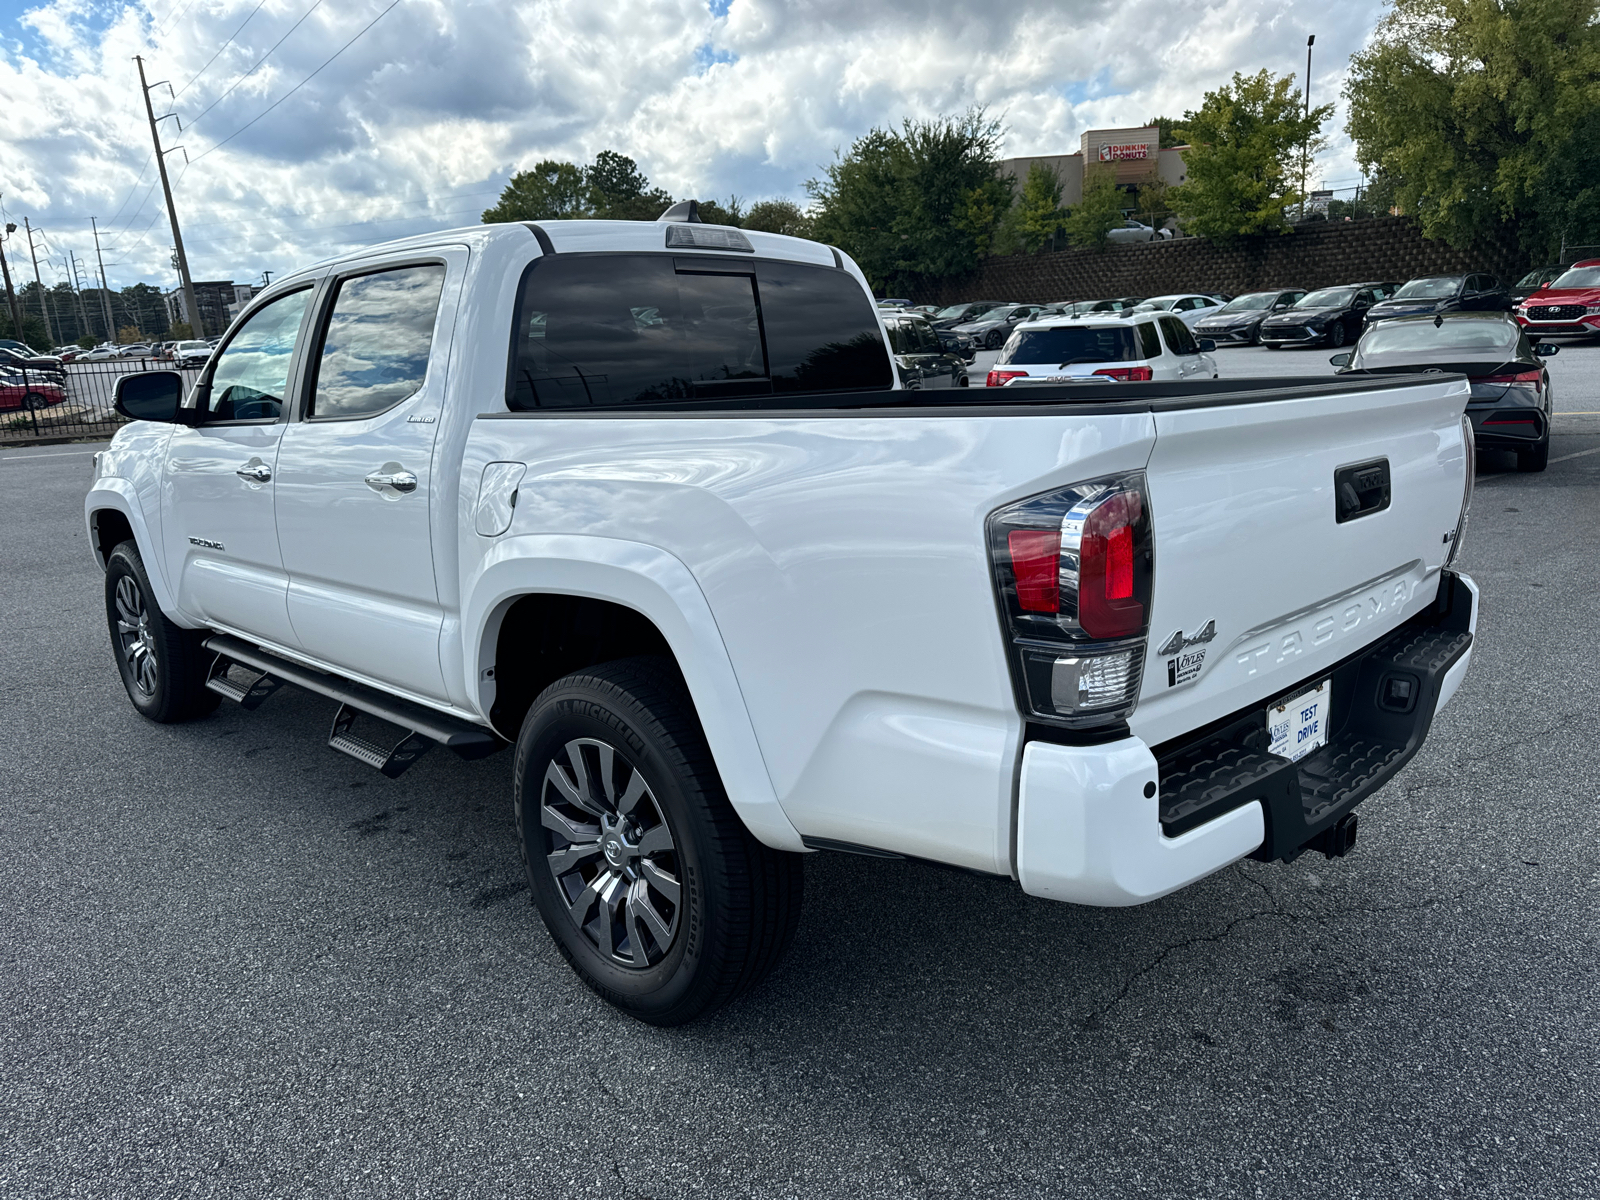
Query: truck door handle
<point x="256" y="472"/>
<point x="392" y="476"/>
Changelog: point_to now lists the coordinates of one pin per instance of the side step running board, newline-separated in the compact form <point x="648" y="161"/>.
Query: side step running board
<point x="424" y="727"/>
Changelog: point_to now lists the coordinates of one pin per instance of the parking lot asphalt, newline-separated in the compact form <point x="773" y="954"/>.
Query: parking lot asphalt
<point x="235" y="963"/>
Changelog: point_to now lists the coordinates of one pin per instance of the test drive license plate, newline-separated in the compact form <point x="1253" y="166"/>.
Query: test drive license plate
<point x="1299" y="725"/>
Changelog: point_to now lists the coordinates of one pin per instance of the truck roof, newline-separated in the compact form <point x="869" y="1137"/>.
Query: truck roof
<point x="578" y="236"/>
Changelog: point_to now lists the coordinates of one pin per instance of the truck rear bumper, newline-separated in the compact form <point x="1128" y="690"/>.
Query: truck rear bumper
<point x="1124" y="823"/>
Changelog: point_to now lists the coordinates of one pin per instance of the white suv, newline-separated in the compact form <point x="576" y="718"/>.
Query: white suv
<point x="1131" y="348"/>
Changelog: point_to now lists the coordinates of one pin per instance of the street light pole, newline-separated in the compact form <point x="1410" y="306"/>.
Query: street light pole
<point x="11" y="296"/>
<point x="195" y="327"/>
<point x="1305" y="147"/>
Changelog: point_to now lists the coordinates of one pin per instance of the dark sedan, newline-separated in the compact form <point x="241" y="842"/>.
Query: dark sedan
<point x="1328" y="315"/>
<point x="1534" y="280"/>
<point x="919" y="357"/>
<point x="960" y="314"/>
<point x="1239" y="320"/>
<point x="1510" y="404"/>
<point x="1434" y="294"/>
<point x="959" y="344"/>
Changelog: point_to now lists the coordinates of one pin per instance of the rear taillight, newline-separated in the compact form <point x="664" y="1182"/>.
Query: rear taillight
<point x="1470" y="445"/>
<point x="1534" y="377"/>
<point x="1128" y="374"/>
<point x="1074" y="569"/>
<point x="998" y="378"/>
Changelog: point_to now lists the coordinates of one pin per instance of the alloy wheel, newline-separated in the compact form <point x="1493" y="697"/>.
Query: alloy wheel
<point x="134" y="633"/>
<point x="612" y="854"/>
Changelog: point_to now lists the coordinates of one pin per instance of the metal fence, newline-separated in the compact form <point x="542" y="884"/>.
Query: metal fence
<point x="73" y="400"/>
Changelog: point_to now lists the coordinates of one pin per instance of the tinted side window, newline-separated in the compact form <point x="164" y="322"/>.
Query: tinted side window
<point x="375" y="348"/>
<point x="615" y="330"/>
<point x="822" y="335"/>
<point x="926" y="339"/>
<point x="1178" y="338"/>
<point x="252" y="372"/>
<point x="898" y="341"/>
<point x="1149" y="341"/>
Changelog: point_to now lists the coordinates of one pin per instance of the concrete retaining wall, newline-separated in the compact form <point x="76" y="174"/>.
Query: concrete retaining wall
<point x="1318" y="254"/>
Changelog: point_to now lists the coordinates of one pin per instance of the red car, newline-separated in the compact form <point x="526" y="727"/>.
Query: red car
<point x="14" y="394"/>
<point x="1571" y="304"/>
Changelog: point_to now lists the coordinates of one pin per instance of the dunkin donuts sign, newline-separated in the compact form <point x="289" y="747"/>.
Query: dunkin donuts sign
<point x="1110" y="153"/>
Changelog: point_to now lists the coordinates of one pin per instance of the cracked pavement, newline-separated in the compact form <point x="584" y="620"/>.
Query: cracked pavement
<point x="235" y="963"/>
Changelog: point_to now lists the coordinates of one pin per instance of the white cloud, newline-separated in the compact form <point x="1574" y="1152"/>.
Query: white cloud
<point x="420" y="121"/>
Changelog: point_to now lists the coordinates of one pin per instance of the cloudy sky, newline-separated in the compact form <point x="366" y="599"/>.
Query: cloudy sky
<point x="312" y="126"/>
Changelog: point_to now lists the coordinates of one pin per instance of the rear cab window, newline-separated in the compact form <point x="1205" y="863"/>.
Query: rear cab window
<point x="629" y="330"/>
<point x="1065" y="345"/>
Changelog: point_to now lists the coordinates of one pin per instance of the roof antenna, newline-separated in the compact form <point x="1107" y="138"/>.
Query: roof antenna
<point x="683" y="210"/>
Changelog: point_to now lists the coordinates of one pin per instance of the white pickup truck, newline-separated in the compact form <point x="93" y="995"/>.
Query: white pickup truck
<point x="646" y="502"/>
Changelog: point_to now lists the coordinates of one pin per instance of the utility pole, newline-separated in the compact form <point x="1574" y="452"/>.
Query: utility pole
<point x="11" y="296"/>
<point x="266" y="279"/>
<point x="44" y="307"/>
<point x="172" y="213"/>
<point x="77" y="290"/>
<point x="1305" y="148"/>
<point x="105" y="288"/>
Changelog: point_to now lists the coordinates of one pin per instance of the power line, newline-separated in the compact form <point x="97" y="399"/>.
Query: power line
<point x="220" y="49"/>
<point x="257" y="63"/>
<point x="297" y="86"/>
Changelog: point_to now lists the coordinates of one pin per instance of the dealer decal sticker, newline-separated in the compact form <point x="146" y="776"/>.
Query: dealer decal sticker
<point x="1186" y="656"/>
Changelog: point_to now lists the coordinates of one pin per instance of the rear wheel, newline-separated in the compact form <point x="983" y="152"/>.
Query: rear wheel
<point x="34" y="401"/>
<point x="163" y="666"/>
<point x="654" y="891"/>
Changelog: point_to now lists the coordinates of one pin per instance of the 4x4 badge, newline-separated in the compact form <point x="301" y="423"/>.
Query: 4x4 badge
<point x="1178" y="642"/>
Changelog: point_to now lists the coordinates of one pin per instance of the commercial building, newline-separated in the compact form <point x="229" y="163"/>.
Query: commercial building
<point x="220" y="301"/>
<point x="1134" y="156"/>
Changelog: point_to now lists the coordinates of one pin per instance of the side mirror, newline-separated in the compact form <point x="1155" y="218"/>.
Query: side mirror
<point x="150" y="396"/>
<point x="1341" y="360"/>
<point x="1546" y="350"/>
<point x="1207" y="345"/>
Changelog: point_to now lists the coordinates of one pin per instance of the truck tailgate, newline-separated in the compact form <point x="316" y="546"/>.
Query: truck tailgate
<point x="1258" y="584"/>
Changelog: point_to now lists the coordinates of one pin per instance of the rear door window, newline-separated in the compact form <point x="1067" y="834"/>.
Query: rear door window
<point x="1179" y="339"/>
<point x="375" y="349"/>
<point x="621" y="330"/>
<point x="1149" y="340"/>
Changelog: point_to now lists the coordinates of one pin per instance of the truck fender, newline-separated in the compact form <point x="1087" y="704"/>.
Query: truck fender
<point x="114" y="492"/>
<point x="660" y="587"/>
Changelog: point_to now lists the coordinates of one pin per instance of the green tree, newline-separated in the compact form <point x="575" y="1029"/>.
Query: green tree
<point x="1169" y="131"/>
<point x="618" y="190"/>
<point x="33" y="331"/>
<point x="920" y="202"/>
<point x="1100" y="210"/>
<point x="1245" y="147"/>
<point x="778" y="216"/>
<point x="180" y="331"/>
<point x="551" y="191"/>
<point x="1482" y="112"/>
<point x="1037" y="216"/>
<point x="713" y="213"/>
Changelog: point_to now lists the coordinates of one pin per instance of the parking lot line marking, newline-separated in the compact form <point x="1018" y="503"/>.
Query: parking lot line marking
<point x="57" y="454"/>
<point x="1576" y="454"/>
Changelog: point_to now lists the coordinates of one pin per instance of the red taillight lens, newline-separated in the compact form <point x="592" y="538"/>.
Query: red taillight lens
<point x="1534" y="377"/>
<point x="1128" y="374"/>
<point x="998" y="378"/>
<point x="1074" y="569"/>
<point x="1107" y="606"/>
<point x="1035" y="561"/>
